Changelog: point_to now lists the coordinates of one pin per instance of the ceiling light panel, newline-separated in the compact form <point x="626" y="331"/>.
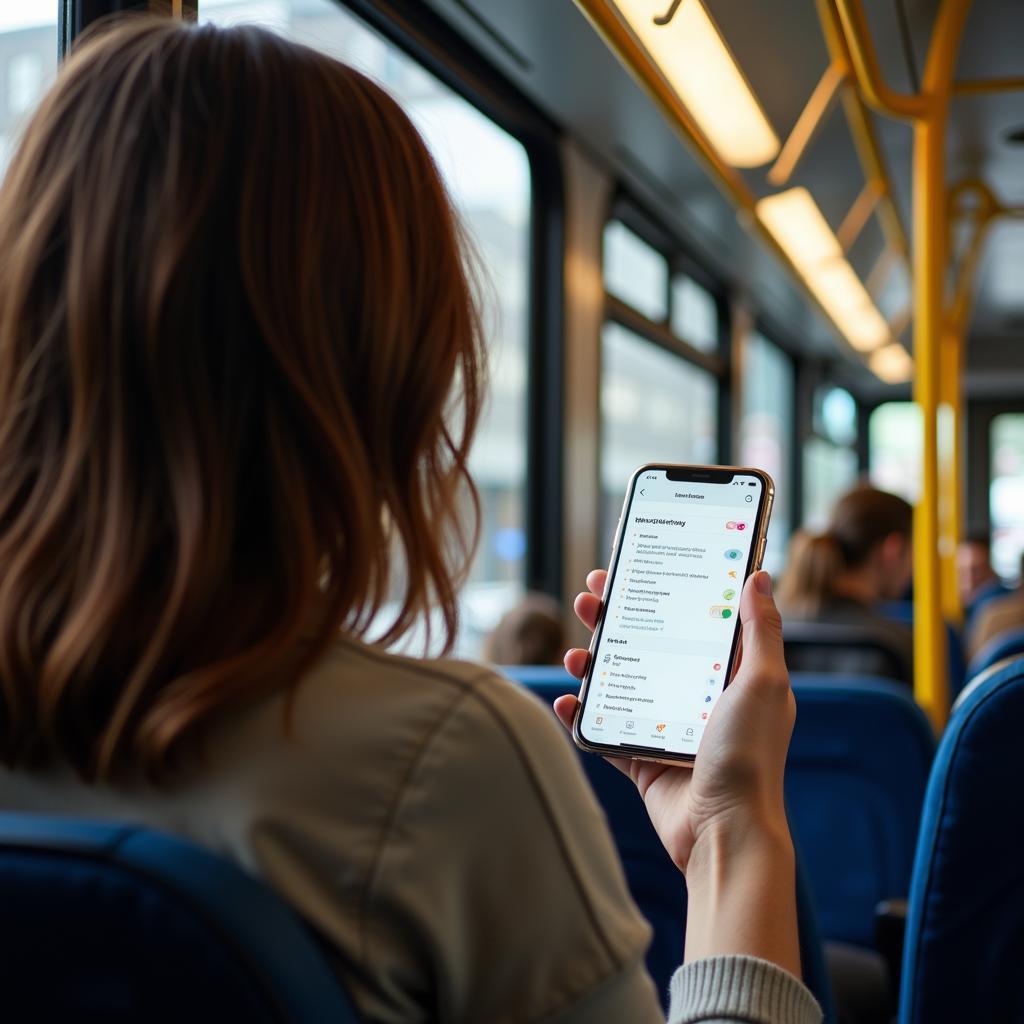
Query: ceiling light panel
<point x="892" y="364"/>
<point x="689" y="51"/>
<point x="797" y="225"/>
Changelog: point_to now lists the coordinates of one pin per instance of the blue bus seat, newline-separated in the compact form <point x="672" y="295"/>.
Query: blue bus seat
<point x="115" y="923"/>
<point x="965" y="923"/>
<point x="654" y="880"/>
<point x="1006" y="645"/>
<point x="855" y="782"/>
<point x="956" y="660"/>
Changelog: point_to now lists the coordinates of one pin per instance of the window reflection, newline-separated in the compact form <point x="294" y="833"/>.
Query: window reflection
<point x="635" y="271"/>
<point x="1006" y="493"/>
<point x="894" y="436"/>
<point x="835" y="415"/>
<point x="655" y="407"/>
<point x="694" y="314"/>
<point x="829" y="471"/>
<point x="766" y="431"/>
<point x="28" y="64"/>
<point x="488" y="175"/>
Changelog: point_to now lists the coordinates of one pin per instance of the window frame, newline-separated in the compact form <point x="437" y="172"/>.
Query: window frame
<point x="680" y="260"/>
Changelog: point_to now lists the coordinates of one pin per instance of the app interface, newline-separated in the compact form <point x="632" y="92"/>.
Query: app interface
<point x="662" y="656"/>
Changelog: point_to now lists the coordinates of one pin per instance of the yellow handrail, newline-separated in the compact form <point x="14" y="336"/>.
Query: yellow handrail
<point x="937" y="351"/>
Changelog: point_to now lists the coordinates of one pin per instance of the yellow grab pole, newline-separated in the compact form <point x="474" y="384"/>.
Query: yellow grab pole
<point x="931" y="682"/>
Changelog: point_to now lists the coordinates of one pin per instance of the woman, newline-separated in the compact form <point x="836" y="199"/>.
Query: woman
<point x="240" y="370"/>
<point x="840" y="576"/>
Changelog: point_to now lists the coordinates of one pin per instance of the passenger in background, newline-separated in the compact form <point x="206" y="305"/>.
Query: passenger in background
<point x="531" y="633"/>
<point x="979" y="583"/>
<point x="996" y="616"/>
<point x="838" y="578"/>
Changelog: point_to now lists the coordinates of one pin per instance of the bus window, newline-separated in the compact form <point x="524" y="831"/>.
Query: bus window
<point x="766" y="431"/>
<point x="488" y="176"/>
<point x="655" y="407"/>
<point x="829" y="471"/>
<point x="894" y="439"/>
<point x="829" y="457"/>
<point x="28" y="64"/>
<point x="635" y="271"/>
<point x="1006" y="493"/>
<point x="694" y="314"/>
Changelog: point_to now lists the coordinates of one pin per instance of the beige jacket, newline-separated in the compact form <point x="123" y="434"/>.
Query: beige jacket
<point x="432" y="822"/>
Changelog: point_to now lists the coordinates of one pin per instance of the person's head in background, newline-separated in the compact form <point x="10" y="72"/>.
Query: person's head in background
<point x="240" y="372"/>
<point x="863" y="555"/>
<point x="531" y="633"/>
<point x="974" y="565"/>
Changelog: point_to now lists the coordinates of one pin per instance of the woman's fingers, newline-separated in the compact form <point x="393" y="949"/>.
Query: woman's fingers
<point x="588" y="605"/>
<point x="565" y="709"/>
<point x="763" y="655"/>
<point x="576" y="661"/>
<point x="587" y="608"/>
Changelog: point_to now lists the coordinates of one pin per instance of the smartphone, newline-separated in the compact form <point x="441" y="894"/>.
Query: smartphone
<point x="667" y="635"/>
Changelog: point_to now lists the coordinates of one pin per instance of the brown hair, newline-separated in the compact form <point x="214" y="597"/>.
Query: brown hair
<point x="531" y="633"/>
<point x="861" y="520"/>
<point x="240" y="371"/>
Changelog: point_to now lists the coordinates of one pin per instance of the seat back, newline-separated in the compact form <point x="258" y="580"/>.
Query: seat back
<point x="847" y="649"/>
<point x="114" y="923"/>
<point x="903" y="611"/>
<point x="1006" y="645"/>
<point x="654" y="880"/>
<point x="965" y="926"/>
<point x="855" y="782"/>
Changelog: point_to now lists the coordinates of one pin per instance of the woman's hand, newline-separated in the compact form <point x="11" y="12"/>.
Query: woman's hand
<point x="724" y="821"/>
<point x="734" y="790"/>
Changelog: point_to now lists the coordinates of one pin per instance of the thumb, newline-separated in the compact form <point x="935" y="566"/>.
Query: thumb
<point x="762" y="626"/>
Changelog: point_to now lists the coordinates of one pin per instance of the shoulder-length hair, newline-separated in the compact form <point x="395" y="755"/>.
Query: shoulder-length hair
<point x="240" y="372"/>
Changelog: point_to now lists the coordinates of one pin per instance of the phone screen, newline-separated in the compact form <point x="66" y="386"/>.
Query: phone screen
<point x="667" y="638"/>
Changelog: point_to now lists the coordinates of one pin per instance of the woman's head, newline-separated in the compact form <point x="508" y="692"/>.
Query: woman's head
<point x="240" y="369"/>
<point x="865" y="551"/>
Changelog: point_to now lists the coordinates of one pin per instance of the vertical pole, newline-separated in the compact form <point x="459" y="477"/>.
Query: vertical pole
<point x="931" y="681"/>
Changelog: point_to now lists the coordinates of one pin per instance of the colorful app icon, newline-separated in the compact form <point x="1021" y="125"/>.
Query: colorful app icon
<point x="707" y="700"/>
<point x="705" y="715"/>
<point x="741" y="526"/>
<point x="717" y="666"/>
<point x="660" y="727"/>
<point x="732" y="574"/>
<point x="720" y="611"/>
<point x="730" y="525"/>
<point x="729" y="594"/>
<point x="734" y="554"/>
